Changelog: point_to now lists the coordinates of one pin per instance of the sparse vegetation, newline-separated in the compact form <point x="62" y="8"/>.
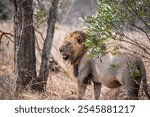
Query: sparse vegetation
<point x="114" y="20"/>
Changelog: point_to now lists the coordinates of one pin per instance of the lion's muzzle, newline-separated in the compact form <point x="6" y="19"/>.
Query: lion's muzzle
<point x="65" y="55"/>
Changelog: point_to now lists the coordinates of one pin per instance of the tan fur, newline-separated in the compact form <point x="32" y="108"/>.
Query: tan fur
<point x="110" y="70"/>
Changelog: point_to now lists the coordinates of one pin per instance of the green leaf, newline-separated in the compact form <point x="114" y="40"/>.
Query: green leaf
<point x="135" y="73"/>
<point x="113" y="65"/>
<point x="111" y="17"/>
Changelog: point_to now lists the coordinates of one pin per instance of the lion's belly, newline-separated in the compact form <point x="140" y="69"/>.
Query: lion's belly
<point x="108" y="81"/>
<point x="103" y="73"/>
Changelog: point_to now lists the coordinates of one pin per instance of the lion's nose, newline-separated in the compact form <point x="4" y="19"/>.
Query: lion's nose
<point x="60" y="49"/>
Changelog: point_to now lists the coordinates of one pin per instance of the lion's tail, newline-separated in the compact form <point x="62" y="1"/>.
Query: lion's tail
<point x="144" y="80"/>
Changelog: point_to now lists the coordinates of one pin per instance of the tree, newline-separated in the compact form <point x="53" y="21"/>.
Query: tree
<point x="40" y="83"/>
<point x="113" y="19"/>
<point x="24" y="43"/>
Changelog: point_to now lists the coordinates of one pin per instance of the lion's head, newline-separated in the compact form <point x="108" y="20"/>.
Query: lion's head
<point x="73" y="46"/>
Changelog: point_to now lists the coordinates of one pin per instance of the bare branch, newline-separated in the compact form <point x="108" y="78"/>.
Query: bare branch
<point x="141" y="19"/>
<point x="130" y="50"/>
<point x="6" y="34"/>
<point x="39" y="33"/>
<point x="141" y="29"/>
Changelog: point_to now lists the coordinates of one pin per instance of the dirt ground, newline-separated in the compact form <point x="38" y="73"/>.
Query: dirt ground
<point x="59" y="87"/>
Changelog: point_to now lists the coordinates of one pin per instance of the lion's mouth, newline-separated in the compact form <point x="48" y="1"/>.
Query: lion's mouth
<point x="66" y="57"/>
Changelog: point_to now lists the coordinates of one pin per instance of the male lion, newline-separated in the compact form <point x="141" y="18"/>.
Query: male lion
<point x="110" y="70"/>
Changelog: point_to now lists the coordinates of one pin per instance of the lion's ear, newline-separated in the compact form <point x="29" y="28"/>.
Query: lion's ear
<point x="66" y="35"/>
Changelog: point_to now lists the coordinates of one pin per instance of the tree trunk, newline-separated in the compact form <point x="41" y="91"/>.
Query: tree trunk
<point x="44" y="68"/>
<point x="24" y="43"/>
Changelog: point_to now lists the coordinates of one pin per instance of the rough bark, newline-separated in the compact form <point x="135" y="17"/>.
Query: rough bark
<point x="24" y="43"/>
<point x="44" y="68"/>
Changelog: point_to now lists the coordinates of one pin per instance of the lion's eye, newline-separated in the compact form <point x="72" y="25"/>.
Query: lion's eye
<point x="79" y="41"/>
<point x="68" y="43"/>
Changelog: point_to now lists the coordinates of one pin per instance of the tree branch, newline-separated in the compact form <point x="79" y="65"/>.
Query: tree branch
<point x="44" y="68"/>
<point x="6" y="34"/>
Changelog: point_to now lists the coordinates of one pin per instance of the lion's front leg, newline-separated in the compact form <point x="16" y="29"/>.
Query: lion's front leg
<point x="97" y="90"/>
<point x="81" y="89"/>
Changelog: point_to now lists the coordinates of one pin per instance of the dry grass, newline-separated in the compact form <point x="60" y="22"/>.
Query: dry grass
<point x="60" y="85"/>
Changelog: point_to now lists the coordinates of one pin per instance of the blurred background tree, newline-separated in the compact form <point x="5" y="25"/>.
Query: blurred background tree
<point x="5" y="10"/>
